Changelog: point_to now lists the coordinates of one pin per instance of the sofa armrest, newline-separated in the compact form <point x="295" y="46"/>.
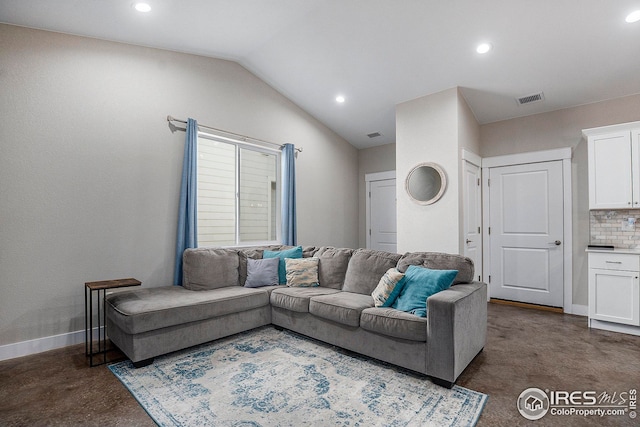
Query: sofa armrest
<point x="456" y="329"/>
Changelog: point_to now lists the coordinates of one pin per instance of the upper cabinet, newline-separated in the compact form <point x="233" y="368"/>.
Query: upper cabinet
<point x="614" y="166"/>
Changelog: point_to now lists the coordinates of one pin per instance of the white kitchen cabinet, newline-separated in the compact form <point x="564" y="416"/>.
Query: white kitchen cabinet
<point x="614" y="166"/>
<point x="614" y="290"/>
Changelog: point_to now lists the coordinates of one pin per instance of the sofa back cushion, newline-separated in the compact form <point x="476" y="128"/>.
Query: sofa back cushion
<point x="209" y="268"/>
<point x="309" y="251"/>
<point x="332" y="266"/>
<point x="439" y="261"/>
<point x="366" y="268"/>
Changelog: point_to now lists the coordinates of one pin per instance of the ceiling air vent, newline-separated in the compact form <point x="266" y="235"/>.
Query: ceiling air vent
<point x="374" y="134"/>
<point x="528" y="99"/>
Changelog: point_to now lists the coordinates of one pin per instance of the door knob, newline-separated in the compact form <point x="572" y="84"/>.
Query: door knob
<point x="557" y="243"/>
<point x="468" y="241"/>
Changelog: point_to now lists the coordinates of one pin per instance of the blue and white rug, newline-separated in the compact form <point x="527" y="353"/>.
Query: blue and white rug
<point x="267" y="377"/>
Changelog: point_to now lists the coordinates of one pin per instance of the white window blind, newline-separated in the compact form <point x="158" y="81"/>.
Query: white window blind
<point x="238" y="193"/>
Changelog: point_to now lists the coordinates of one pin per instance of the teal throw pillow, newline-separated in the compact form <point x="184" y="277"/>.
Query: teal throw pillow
<point x="282" y="269"/>
<point x="419" y="284"/>
<point x="393" y="296"/>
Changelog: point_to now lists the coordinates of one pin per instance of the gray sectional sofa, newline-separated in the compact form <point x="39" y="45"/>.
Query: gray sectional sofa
<point x="213" y="303"/>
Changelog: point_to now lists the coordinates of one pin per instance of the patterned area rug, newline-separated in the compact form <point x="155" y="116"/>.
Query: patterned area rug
<point x="267" y="377"/>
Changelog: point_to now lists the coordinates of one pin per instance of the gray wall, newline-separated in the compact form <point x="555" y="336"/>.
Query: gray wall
<point x="370" y="160"/>
<point x="563" y="128"/>
<point x="90" y="171"/>
<point x="468" y="127"/>
<point x="433" y="128"/>
<point x="469" y="140"/>
<point x="426" y="131"/>
<point x="383" y="158"/>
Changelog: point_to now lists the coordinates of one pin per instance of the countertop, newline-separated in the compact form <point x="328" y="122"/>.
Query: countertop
<point x="614" y="251"/>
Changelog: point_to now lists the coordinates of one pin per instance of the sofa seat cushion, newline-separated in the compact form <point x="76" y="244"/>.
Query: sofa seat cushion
<point x="394" y="323"/>
<point x="343" y="307"/>
<point x="270" y="289"/>
<point x="297" y="299"/>
<point x="148" y="309"/>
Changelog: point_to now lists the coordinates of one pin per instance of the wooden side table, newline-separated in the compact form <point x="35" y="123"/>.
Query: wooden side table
<point x="89" y="288"/>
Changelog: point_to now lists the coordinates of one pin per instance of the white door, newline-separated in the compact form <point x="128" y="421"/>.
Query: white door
<point x="525" y="233"/>
<point x="472" y="218"/>
<point x="382" y="214"/>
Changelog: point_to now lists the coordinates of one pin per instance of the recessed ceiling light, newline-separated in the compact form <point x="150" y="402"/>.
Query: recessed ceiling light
<point x="484" y="47"/>
<point x="340" y="99"/>
<point x="633" y="16"/>
<point x="142" y="7"/>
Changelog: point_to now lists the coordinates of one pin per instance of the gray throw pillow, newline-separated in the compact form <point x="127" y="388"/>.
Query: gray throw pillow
<point x="262" y="272"/>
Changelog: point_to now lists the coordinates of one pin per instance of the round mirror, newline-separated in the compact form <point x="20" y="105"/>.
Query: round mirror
<point x="426" y="183"/>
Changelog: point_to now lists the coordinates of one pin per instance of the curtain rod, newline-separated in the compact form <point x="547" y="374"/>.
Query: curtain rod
<point x="243" y="137"/>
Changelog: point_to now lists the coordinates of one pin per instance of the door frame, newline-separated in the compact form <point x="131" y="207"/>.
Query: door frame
<point x="368" y="179"/>
<point x="474" y="159"/>
<point x="564" y="155"/>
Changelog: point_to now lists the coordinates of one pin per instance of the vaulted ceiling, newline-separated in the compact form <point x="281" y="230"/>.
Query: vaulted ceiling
<point x="378" y="53"/>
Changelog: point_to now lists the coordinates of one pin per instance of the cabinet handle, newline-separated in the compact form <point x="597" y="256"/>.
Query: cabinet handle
<point x="613" y="262"/>
<point x="628" y="203"/>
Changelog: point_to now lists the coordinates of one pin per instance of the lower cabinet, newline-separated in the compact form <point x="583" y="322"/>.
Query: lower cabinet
<point x="614" y="291"/>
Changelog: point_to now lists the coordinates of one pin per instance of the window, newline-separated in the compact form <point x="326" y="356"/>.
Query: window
<point x="238" y="193"/>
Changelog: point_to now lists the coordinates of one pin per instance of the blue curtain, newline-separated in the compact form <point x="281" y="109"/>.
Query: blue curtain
<point x="289" y="229"/>
<point x="187" y="216"/>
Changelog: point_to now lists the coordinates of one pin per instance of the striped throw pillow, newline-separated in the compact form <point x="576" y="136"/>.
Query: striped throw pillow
<point x="386" y="285"/>
<point x="302" y="272"/>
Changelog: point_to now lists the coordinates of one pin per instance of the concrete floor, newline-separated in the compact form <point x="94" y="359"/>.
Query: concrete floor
<point x="525" y="348"/>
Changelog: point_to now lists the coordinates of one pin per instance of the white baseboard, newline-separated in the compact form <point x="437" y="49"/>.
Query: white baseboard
<point x="38" y="345"/>
<point x="580" y="310"/>
<point x="614" y="327"/>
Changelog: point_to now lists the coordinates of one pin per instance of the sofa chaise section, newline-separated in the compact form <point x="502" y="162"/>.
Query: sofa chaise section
<point x="145" y="323"/>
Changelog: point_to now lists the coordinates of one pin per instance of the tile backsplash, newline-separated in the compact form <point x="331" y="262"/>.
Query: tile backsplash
<point x="609" y="227"/>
